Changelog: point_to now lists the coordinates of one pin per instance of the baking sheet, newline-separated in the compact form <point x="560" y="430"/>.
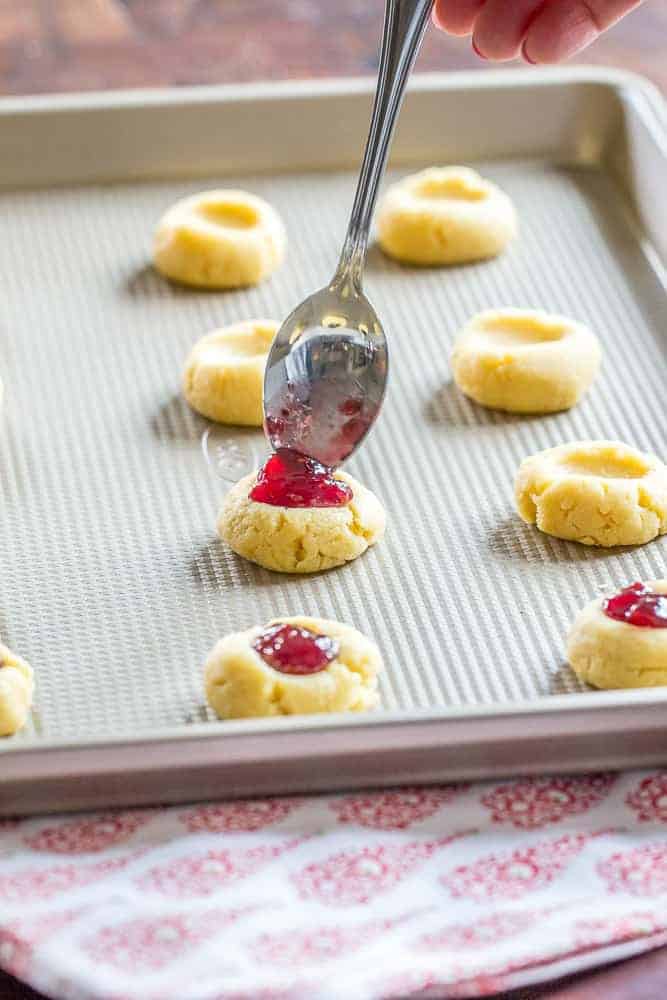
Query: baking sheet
<point x="114" y="585"/>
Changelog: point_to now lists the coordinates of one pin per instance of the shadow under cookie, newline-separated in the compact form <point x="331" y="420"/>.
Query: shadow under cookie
<point x="511" y="538"/>
<point x="176" y="421"/>
<point x="214" y="567"/>
<point x="145" y="282"/>
<point x="449" y="406"/>
<point x="565" y="681"/>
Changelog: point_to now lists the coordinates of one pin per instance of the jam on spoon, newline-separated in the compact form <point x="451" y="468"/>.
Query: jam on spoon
<point x="295" y="650"/>
<point x="637" y="605"/>
<point x="289" y="479"/>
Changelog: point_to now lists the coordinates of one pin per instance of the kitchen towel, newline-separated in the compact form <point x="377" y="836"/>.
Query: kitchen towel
<point x="454" y="890"/>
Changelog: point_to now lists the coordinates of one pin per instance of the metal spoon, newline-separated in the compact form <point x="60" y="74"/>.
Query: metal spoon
<point x="327" y="369"/>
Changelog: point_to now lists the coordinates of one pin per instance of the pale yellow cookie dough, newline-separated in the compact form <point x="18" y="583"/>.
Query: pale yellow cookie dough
<point x="239" y="684"/>
<point x="524" y="360"/>
<point x="614" y="654"/>
<point x="445" y="215"/>
<point x="16" y="691"/>
<point x="223" y="377"/>
<point x="595" y="492"/>
<point x="298" y="539"/>
<point x="219" y="239"/>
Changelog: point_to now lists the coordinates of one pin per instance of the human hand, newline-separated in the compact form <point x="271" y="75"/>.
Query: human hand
<point x="540" y="31"/>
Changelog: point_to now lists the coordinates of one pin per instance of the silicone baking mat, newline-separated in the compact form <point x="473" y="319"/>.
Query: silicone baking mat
<point x="114" y="585"/>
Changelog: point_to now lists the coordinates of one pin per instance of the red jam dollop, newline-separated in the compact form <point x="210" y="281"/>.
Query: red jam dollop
<point x="289" y="479"/>
<point x="294" y="650"/>
<point x="637" y="605"/>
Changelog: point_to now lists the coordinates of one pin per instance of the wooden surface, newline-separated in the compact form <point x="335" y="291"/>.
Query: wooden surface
<point x="66" y="45"/>
<point x="57" y="45"/>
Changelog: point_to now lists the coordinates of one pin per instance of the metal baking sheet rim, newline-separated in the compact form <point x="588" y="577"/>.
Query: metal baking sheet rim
<point x="571" y="732"/>
<point x="306" y="754"/>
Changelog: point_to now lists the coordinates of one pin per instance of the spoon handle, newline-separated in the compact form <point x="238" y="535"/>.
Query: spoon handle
<point x="404" y="26"/>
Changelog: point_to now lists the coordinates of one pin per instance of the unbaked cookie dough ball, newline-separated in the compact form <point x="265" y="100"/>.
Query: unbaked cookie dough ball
<point x="300" y="539"/>
<point x="223" y="377"/>
<point x="292" y="666"/>
<point x="445" y="215"/>
<point x="594" y="492"/>
<point x="621" y="642"/>
<point x="16" y="691"/>
<point x="219" y="239"/>
<point x="524" y="360"/>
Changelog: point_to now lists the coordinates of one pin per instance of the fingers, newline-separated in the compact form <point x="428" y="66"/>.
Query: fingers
<point x="500" y="27"/>
<point x="562" y="27"/>
<point x="542" y="30"/>
<point x="457" y="16"/>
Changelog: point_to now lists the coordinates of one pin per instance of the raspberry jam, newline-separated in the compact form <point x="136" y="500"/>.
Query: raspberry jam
<point x="637" y="605"/>
<point x="292" y="480"/>
<point x="294" y="650"/>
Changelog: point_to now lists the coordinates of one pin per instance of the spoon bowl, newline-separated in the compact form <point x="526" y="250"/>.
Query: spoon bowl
<point x="326" y="375"/>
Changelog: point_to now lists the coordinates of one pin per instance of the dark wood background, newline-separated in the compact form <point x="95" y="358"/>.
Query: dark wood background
<point x="58" y="45"/>
<point x="67" y="45"/>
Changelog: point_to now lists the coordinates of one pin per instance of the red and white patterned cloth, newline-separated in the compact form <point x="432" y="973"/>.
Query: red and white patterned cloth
<point x="449" y="891"/>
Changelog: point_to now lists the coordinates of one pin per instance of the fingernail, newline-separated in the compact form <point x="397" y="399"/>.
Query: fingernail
<point x="525" y="56"/>
<point x="480" y="54"/>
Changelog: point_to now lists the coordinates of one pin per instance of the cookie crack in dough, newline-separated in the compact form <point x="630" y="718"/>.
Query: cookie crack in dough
<point x="358" y="529"/>
<point x="276" y="700"/>
<point x="360" y="669"/>
<point x="364" y="526"/>
<point x="529" y="512"/>
<point x="647" y="503"/>
<point x="220" y="686"/>
<point x="299" y="551"/>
